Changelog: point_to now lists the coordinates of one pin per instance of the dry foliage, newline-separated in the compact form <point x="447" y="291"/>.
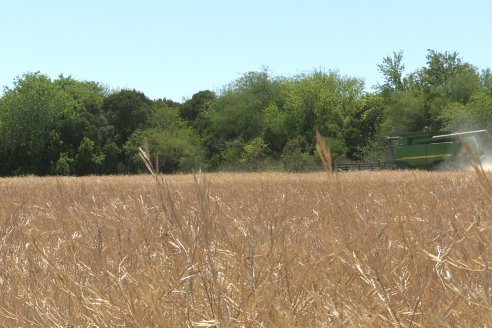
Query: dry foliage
<point x="367" y="249"/>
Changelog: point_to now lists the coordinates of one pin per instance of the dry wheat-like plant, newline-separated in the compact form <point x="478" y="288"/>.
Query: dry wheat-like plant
<point x="368" y="249"/>
<point x="324" y="153"/>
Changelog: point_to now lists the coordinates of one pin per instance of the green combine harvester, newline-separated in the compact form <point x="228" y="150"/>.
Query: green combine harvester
<point x="426" y="150"/>
<point x="430" y="150"/>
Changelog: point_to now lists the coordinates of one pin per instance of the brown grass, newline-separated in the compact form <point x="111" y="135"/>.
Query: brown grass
<point x="368" y="249"/>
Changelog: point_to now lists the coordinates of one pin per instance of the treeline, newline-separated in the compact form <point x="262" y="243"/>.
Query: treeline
<point x="259" y="121"/>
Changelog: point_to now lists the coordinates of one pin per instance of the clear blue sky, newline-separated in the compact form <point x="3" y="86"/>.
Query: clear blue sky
<point x="173" y="49"/>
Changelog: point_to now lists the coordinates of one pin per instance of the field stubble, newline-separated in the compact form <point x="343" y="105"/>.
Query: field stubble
<point x="363" y="249"/>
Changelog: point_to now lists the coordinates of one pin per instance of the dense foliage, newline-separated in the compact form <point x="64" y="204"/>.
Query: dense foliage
<point x="257" y="122"/>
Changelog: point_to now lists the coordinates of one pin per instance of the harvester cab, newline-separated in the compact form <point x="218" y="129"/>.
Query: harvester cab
<point x="430" y="149"/>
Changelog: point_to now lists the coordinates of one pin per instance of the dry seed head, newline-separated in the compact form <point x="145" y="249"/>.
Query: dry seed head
<point x="324" y="152"/>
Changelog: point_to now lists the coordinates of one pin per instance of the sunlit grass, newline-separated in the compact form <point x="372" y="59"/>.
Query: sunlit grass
<point x="360" y="249"/>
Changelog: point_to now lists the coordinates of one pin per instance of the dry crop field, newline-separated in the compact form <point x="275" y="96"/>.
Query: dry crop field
<point x="361" y="249"/>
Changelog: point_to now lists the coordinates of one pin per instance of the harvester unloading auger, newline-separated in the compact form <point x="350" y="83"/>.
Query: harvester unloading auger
<point x="427" y="150"/>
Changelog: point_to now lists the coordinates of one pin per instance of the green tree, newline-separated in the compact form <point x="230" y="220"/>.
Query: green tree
<point x="127" y="111"/>
<point x="176" y="145"/>
<point x="445" y="80"/>
<point x="405" y="112"/>
<point x="198" y="104"/>
<point x="112" y="154"/>
<point x="298" y="155"/>
<point x="440" y="67"/>
<point x="486" y="80"/>
<point x="88" y="159"/>
<point x="32" y="115"/>
<point x="362" y="126"/>
<point x="392" y="69"/>
<point x="275" y="131"/>
<point x="253" y="152"/>
<point x="238" y="111"/>
<point x="90" y="121"/>
<point x="63" y="165"/>
<point x="476" y="114"/>
<point x="321" y="101"/>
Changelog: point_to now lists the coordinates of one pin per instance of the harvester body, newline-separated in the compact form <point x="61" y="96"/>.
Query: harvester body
<point x="428" y="150"/>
